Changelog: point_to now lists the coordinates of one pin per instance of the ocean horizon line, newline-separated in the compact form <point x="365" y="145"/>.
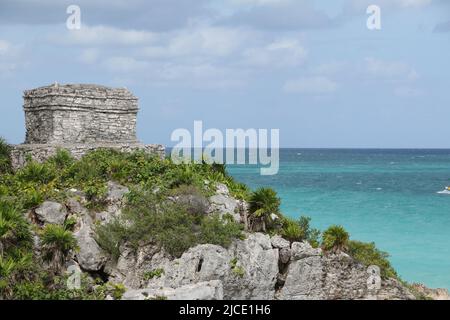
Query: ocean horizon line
<point x="340" y="148"/>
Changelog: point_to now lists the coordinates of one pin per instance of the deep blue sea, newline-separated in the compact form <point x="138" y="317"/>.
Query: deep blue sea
<point x="385" y="196"/>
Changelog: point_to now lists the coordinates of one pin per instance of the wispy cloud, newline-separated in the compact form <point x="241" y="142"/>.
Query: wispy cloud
<point x="311" y="86"/>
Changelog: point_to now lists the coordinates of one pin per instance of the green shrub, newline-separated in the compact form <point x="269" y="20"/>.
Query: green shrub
<point x="70" y="223"/>
<point x="219" y="167"/>
<point x="149" y="219"/>
<point x="335" y="239"/>
<point x="237" y="270"/>
<point x="56" y="244"/>
<point x="191" y="198"/>
<point x="156" y="273"/>
<point x="292" y="231"/>
<point x="300" y="230"/>
<point x="96" y="192"/>
<point x="117" y="290"/>
<point x="264" y="202"/>
<point x="176" y="232"/>
<point x="111" y="236"/>
<point x="5" y="157"/>
<point x="14" y="229"/>
<point x="368" y="254"/>
<point x="40" y="173"/>
<point x="46" y="287"/>
<point x="146" y="218"/>
<point x="14" y="268"/>
<point x="62" y="159"/>
<point x="216" y="231"/>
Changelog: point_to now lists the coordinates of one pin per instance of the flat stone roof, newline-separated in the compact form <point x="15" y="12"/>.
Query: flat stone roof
<point x="80" y="90"/>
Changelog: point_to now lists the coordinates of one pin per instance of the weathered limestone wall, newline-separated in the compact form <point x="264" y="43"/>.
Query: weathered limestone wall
<point x="41" y="152"/>
<point x="80" y="113"/>
<point x="79" y="118"/>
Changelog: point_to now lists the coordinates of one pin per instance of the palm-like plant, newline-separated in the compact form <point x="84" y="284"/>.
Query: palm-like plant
<point x="292" y="231"/>
<point x="14" y="230"/>
<point x="5" y="160"/>
<point x="263" y="202"/>
<point x="11" y="269"/>
<point x="57" y="242"/>
<point x="335" y="239"/>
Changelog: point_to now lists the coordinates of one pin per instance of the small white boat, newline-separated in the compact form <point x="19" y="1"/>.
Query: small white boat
<point x="445" y="191"/>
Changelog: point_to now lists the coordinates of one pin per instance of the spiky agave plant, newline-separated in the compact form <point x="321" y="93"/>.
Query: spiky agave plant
<point x="263" y="202"/>
<point x="292" y="230"/>
<point x="12" y="269"/>
<point x="5" y="160"/>
<point x="14" y="230"/>
<point x="57" y="242"/>
<point x="335" y="239"/>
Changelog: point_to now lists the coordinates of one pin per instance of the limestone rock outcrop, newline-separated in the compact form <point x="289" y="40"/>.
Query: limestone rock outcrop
<point x="51" y="212"/>
<point x="256" y="267"/>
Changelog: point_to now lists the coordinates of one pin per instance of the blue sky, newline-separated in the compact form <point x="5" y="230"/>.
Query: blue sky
<point x="309" y="68"/>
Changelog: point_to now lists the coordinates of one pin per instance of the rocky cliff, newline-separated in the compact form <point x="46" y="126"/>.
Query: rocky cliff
<point x="134" y="226"/>
<point x="257" y="267"/>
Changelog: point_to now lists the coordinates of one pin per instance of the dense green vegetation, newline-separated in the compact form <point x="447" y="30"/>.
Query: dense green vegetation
<point x="156" y="273"/>
<point x="368" y="254"/>
<point x="37" y="182"/>
<point x="22" y="275"/>
<point x="300" y="230"/>
<point x="166" y="206"/>
<point x="263" y="203"/>
<point x="149" y="214"/>
<point x="335" y="239"/>
<point x="5" y="162"/>
<point x="57" y="242"/>
<point x="149" y="218"/>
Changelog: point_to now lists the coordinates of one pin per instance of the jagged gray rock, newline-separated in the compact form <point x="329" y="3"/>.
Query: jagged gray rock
<point x="303" y="281"/>
<point x="89" y="255"/>
<point x="51" y="212"/>
<point x="279" y="243"/>
<point x="116" y="192"/>
<point x="247" y="270"/>
<point x="312" y="275"/>
<point x="285" y="255"/>
<point x="222" y="205"/>
<point x="257" y="267"/>
<point x="302" y="250"/>
<point x="211" y="290"/>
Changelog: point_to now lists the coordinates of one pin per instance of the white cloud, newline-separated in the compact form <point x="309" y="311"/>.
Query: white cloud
<point x="413" y="3"/>
<point x="10" y="58"/>
<point x="90" y="56"/>
<point x="311" y="86"/>
<point x="278" y="15"/>
<point x="281" y="53"/>
<point x="196" y="55"/>
<point x="358" y="5"/>
<point x="331" y="68"/>
<point x="103" y="35"/>
<point x="124" y="64"/>
<point x="4" y="47"/>
<point x="202" y="75"/>
<point x="199" y="41"/>
<point x="259" y="2"/>
<point x="390" y="70"/>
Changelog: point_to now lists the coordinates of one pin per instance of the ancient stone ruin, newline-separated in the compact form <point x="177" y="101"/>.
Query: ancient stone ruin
<point x="78" y="118"/>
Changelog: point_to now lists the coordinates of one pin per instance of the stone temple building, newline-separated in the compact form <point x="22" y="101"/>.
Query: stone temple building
<point x="79" y="118"/>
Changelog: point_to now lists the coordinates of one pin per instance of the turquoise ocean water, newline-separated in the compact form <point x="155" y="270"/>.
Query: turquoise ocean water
<point x="386" y="196"/>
